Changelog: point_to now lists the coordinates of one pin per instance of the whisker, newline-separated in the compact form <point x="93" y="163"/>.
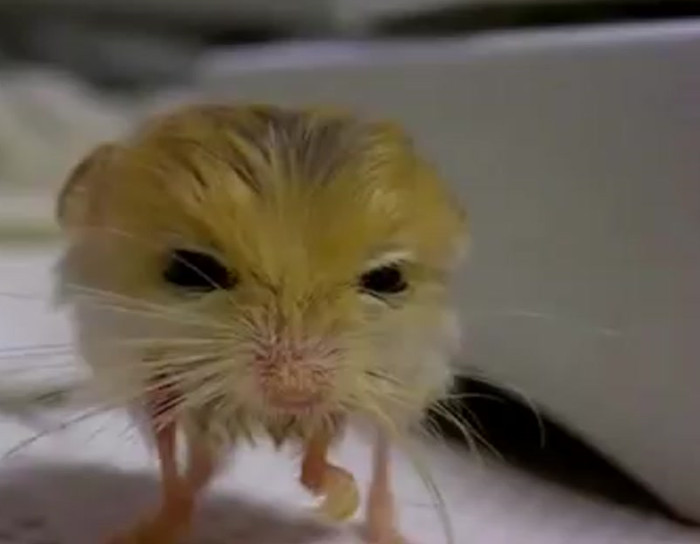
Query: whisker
<point x="61" y="345"/>
<point x="513" y="390"/>
<point x="37" y="368"/>
<point x="34" y="297"/>
<point x="532" y="407"/>
<point x="192" y="362"/>
<point x="95" y="433"/>
<point x="60" y="427"/>
<point x="470" y="434"/>
<point x="464" y="428"/>
<point x="150" y="309"/>
<point x="419" y="465"/>
<point x="521" y="313"/>
<point x="47" y="355"/>
<point x="169" y="342"/>
<point x="121" y="297"/>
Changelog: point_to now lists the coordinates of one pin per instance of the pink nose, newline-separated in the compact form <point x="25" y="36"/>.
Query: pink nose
<point x="292" y="379"/>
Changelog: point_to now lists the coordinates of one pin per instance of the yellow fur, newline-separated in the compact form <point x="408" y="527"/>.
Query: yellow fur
<point x="296" y="204"/>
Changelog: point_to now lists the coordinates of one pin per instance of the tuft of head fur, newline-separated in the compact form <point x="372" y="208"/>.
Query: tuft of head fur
<point x="297" y="205"/>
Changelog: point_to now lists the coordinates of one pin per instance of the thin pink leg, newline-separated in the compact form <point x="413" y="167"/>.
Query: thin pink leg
<point x="381" y="516"/>
<point x="172" y="519"/>
<point x="323" y="478"/>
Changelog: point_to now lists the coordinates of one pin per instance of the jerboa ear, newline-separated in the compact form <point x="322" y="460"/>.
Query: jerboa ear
<point x="76" y="201"/>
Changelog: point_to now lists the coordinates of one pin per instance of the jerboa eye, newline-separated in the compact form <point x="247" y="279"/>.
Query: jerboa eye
<point x="384" y="280"/>
<point x="197" y="271"/>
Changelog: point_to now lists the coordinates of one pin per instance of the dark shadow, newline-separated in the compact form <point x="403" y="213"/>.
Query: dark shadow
<point x="46" y="503"/>
<point x="472" y="18"/>
<point x="545" y="447"/>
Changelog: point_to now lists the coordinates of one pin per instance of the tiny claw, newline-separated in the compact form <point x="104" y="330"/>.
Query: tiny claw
<point x="341" y="497"/>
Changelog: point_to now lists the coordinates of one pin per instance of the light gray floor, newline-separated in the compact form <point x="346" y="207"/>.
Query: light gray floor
<point x="70" y="487"/>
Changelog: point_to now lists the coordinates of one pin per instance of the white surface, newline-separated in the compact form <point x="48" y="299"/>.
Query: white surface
<point x="75" y="486"/>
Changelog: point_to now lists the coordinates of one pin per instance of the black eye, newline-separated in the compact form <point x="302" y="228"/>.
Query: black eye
<point x="384" y="280"/>
<point x="197" y="271"/>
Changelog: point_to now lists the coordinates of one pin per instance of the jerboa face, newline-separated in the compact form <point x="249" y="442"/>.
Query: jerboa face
<point x="264" y="263"/>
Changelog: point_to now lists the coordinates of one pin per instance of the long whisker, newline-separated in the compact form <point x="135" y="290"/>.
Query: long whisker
<point x="118" y="398"/>
<point x="463" y="427"/>
<point x="466" y="429"/>
<point x="215" y="330"/>
<point x="193" y="365"/>
<point x="37" y="368"/>
<point x="522" y="313"/>
<point x="120" y="385"/>
<point x="31" y="354"/>
<point x="533" y="409"/>
<point x="121" y="297"/>
<point x="516" y="392"/>
<point x="147" y="307"/>
<point x="60" y="427"/>
<point x="59" y="345"/>
<point x="34" y="297"/>
<point x="102" y="428"/>
<point x="170" y="341"/>
<point x="394" y="431"/>
<point x="392" y="390"/>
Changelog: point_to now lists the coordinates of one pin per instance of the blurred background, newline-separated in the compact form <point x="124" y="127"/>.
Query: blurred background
<point x="75" y="71"/>
<point x="570" y="127"/>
